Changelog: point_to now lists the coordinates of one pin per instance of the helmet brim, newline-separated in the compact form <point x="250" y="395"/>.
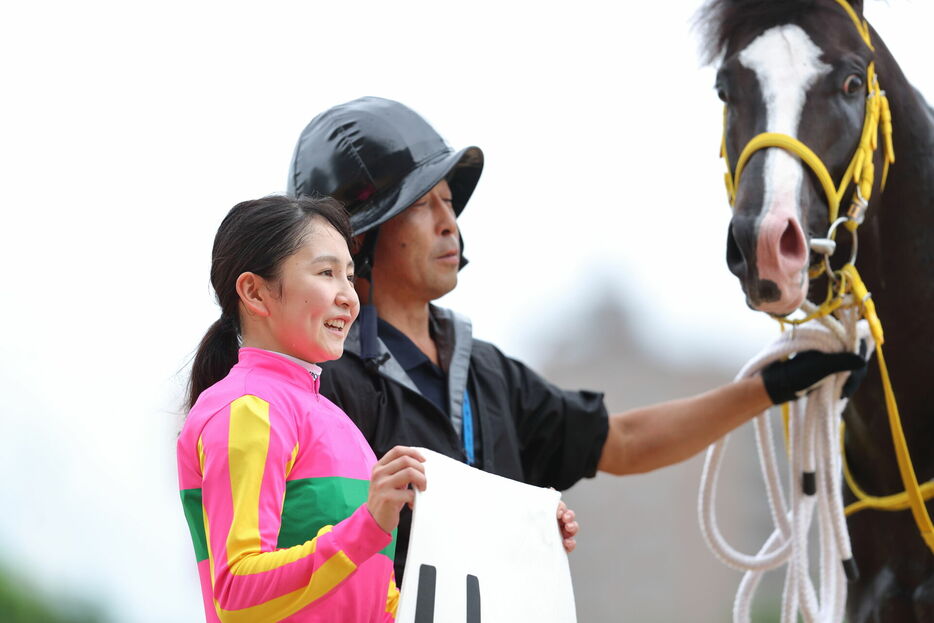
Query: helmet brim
<point x="462" y="169"/>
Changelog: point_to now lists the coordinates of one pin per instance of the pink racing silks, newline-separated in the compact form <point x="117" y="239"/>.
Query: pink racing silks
<point x="273" y="478"/>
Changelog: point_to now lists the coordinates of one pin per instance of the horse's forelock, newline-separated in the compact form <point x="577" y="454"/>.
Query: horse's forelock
<point x="721" y="21"/>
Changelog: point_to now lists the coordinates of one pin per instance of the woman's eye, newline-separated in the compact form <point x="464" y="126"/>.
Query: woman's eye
<point x="853" y="84"/>
<point x="327" y="272"/>
<point x="351" y="278"/>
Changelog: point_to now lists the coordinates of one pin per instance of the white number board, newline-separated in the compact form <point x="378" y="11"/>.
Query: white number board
<point x="484" y="549"/>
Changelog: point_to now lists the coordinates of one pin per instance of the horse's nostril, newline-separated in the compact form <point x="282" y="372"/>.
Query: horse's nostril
<point x="734" y="255"/>
<point x="791" y="243"/>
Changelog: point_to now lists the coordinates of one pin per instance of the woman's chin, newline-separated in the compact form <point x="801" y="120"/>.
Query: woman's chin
<point x="332" y="353"/>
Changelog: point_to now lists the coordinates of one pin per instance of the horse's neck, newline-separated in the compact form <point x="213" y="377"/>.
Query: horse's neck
<point x="899" y="236"/>
<point x="898" y="244"/>
<point x="913" y="128"/>
<point x="896" y="259"/>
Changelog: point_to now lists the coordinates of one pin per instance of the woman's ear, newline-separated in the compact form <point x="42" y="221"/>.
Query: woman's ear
<point x="253" y="293"/>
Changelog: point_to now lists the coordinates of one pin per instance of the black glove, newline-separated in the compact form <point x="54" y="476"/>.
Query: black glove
<point x="785" y="379"/>
<point x="856" y="376"/>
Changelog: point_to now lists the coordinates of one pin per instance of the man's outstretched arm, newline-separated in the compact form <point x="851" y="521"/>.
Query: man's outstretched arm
<point x="650" y="437"/>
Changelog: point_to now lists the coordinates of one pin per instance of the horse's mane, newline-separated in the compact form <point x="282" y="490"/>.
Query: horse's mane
<point x="719" y="21"/>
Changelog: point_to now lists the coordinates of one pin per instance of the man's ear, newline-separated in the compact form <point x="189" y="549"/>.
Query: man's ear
<point x="356" y="243"/>
<point x="254" y="293"/>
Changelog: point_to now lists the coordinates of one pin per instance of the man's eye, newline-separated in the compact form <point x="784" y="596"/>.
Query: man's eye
<point x="327" y="272"/>
<point x="351" y="278"/>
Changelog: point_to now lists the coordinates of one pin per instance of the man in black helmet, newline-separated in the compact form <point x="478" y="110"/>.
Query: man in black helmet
<point x="412" y="374"/>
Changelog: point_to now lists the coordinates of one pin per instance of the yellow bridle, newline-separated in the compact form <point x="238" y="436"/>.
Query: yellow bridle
<point x="861" y="173"/>
<point x="861" y="170"/>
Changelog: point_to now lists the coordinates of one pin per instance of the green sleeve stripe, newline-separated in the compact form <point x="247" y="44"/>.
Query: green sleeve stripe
<point x="312" y="503"/>
<point x="194" y="515"/>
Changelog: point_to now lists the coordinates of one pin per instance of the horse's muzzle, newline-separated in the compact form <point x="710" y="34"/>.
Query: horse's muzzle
<point x="770" y="261"/>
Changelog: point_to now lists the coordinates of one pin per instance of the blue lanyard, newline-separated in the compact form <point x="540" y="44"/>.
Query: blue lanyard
<point x="468" y="429"/>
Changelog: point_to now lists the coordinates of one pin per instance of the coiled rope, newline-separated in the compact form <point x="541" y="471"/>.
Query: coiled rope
<point x="814" y="483"/>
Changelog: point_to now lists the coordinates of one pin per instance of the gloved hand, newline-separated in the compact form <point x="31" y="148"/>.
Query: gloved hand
<point x="785" y="380"/>
<point x="856" y="376"/>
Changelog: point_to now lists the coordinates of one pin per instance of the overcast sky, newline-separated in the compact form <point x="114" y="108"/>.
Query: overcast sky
<point x="129" y="129"/>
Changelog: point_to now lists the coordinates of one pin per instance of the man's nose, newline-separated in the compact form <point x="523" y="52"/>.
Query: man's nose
<point x="446" y="220"/>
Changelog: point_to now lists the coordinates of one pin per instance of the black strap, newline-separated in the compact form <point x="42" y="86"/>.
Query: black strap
<point x="363" y="259"/>
<point x="369" y="339"/>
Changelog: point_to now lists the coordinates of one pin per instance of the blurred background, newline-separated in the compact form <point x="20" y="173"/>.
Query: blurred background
<point x="596" y="239"/>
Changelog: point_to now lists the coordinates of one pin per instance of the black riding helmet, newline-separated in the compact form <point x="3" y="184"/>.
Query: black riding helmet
<point x="378" y="157"/>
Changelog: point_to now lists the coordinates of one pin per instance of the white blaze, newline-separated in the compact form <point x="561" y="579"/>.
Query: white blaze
<point x="786" y="63"/>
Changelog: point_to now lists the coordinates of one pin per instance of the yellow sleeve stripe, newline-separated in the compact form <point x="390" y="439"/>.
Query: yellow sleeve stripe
<point x="392" y="596"/>
<point x="207" y="539"/>
<point x="201" y="456"/>
<point x="204" y="513"/>
<point x="267" y="561"/>
<point x="326" y="577"/>
<point x="247" y="447"/>
<point x="273" y="560"/>
<point x="291" y="463"/>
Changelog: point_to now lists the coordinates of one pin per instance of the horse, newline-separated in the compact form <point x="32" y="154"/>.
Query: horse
<point x="801" y="68"/>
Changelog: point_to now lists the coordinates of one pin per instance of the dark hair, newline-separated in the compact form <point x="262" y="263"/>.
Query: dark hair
<point x="721" y="20"/>
<point x="255" y="237"/>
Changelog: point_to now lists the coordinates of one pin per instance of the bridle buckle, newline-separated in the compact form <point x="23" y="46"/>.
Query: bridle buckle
<point x="858" y="207"/>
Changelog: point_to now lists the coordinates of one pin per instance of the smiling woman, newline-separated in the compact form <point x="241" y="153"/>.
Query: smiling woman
<point x="290" y="514"/>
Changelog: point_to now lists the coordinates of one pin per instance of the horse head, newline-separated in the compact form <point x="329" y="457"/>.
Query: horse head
<point x="796" y="71"/>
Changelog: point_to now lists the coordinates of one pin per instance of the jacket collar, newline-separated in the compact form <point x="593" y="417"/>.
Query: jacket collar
<point x="294" y="369"/>
<point x="453" y="335"/>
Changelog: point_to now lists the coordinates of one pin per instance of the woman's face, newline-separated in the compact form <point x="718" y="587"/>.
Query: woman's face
<point x="312" y="304"/>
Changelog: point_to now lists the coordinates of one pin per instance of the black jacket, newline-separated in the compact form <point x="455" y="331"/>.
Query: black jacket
<point x="529" y="430"/>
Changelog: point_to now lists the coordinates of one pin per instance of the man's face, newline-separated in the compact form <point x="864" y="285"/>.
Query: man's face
<point x="418" y="251"/>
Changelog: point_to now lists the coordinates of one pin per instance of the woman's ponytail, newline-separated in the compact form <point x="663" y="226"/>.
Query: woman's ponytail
<point x="216" y="355"/>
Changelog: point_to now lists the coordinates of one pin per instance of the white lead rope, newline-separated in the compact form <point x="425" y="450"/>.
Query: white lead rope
<point x="814" y="464"/>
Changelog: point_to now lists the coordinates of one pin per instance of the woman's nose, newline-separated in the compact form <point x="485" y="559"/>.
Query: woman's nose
<point x="347" y="296"/>
<point x="343" y="297"/>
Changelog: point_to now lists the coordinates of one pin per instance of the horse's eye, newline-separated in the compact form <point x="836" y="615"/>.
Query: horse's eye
<point x="853" y="84"/>
<point x="722" y="95"/>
